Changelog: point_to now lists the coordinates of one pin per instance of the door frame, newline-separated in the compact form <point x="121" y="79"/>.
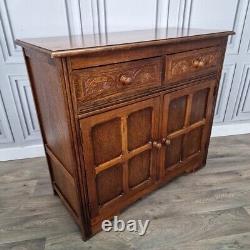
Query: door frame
<point x="87" y="123"/>
<point x="188" y="90"/>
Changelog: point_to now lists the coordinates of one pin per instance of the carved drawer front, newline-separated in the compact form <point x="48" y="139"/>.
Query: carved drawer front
<point x="116" y="79"/>
<point x="191" y="64"/>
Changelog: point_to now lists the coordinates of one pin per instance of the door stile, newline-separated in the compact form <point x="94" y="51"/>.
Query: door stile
<point x="155" y="157"/>
<point x="209" y="110"/>
<point x="186" y="123"/>
<point x="163" y="132"/>
<point x="124" y="134"/>
<point x="90" y="172"/>
<point x="188" y="126"/>
<point x="98" y="167"/>
<point x="188" y="110"/>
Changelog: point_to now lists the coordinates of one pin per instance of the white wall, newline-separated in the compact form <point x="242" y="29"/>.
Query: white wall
<point x="19" y="130"/>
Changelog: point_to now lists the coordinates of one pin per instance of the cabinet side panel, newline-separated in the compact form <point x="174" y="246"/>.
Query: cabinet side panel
<point x="55" y="125"/>
<point x="52" y="110"/>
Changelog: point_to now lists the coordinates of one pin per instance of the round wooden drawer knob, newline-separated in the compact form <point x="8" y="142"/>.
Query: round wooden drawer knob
<point x="196" y="63"/>
<point x="166" y="141"/>
<point x="157" y="145"/>
<point x="201" y="64"/>
<point x="125" y="79"/>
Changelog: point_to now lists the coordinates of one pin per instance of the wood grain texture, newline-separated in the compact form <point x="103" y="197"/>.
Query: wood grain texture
<point x="192" y="63"/>
<point x="56" y="128"/>
<point x="103" y="56"/>
<point x="124" y="141"/>
<point x="186" y="138"/>
<point x="73" y="45"/>
<point x="116" y="79"/>
<point x="123" y="118"/>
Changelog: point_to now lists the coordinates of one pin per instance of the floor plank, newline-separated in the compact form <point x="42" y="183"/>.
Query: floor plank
<point x="206" y="210"/>
<point x="35" y="244"/>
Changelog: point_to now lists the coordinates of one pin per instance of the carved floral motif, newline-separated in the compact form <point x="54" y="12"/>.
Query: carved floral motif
<point x="191" y="64"/>
<point x="106" y="80"/>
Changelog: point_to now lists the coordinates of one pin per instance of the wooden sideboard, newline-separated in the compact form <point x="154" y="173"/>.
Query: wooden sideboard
<point x="121" y="114"/>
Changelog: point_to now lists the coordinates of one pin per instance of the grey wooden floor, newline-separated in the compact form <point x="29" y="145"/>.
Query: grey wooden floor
<point x="206" y="210"/>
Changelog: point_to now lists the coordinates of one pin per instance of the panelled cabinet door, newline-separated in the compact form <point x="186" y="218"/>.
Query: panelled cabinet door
<point x="118" y="153"/>
<point x="185" y="126"/>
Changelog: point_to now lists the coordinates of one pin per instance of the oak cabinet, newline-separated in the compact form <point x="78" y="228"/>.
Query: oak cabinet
<point x="122" y="115"/>
<point x="118" y="152"/>
<point x="116" y="79"/>
<point x="185" y="125"/>
<point x="186" y="65"/>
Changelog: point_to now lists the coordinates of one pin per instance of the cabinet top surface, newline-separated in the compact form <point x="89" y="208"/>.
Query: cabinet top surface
<point x="68" y="45"/>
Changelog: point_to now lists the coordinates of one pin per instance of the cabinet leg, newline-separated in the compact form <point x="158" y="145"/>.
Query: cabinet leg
<point x="54" y="191"/>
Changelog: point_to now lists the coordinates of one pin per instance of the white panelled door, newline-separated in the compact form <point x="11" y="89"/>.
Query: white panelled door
<point x="29" y="18"/>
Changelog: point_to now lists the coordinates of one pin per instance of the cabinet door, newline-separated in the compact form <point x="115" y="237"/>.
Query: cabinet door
<point x="185" y="126"/>
<point x="118" y="155"/>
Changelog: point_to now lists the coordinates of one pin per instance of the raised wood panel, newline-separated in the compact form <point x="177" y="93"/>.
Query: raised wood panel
<point x="177" y="112"/>
<point x="54" y="116"/>
<point x="125" y="137"/>
<point x="25" y="107"/>
<point x="109" y="184"/>
<point x="65" y="184"/>
<point x="186" y="114"/>
<point x="5" y="129"/>
<point x="106" y="158"/>
<point x="108" y="131"/>
<point x="139" y="169"/>
<point x="140" y="134"/>
<point x="173" y="152"/>
<point x="199" y="105"/>
<point x="192" y="142"/>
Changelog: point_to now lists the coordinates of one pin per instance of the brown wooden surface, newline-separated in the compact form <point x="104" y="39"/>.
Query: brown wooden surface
<point x="185" y="134"/>
<point x="52" y="109"/>
<point x="100" y="82"/>
<point x="69" y="45"/>
<point x="113" y="142"/>
<point x="125" y="118"/>
<point x="110" y="54"/>
<point x="191" y="64"/>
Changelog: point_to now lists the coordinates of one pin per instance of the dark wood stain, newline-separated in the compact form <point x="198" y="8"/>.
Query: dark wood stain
<point x="122" y="118"/>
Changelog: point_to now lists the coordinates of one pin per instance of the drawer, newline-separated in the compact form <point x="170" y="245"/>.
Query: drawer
<point x="191" y="64"/>
<point x="116" y="79"/>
